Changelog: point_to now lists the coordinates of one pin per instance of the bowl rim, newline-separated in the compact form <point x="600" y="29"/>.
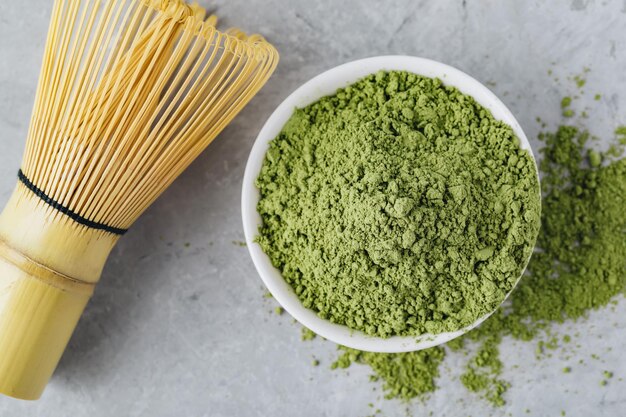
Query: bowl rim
<point x="324" y="84"/>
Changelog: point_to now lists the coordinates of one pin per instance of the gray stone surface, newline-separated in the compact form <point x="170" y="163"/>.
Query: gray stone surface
<point x="179" y="325"/>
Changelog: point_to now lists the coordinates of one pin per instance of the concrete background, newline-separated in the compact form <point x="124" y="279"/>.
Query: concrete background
<point x="179" y="325"/>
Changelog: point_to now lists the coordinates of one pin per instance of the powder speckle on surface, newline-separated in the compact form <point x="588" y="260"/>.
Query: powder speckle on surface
<point x="565" y="106"/>
<point x="580" y="81"/>
<point x="398" y="206"/>
<point x="308" y="334"/>
<point x="565" y="102"/>
<point x="621" y="135"/>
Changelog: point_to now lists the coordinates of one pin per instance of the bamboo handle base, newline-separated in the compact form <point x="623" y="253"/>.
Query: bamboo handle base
<point x="36" y="322"/>
<point x="49" y="266"/>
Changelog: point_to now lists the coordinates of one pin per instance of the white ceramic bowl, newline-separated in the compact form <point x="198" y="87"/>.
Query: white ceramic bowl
<point x="325" y="84"/>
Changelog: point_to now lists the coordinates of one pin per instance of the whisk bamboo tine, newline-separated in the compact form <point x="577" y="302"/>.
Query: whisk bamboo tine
<point x="211" y="20"/>
<point x="87" y="81"/>
<point x="198" y="11"/>
<point x="30" y="151"/>
<point x="216" y="84"/>
<point x="176" y="111"/>
<point x="113" y="108"/>
<point x="128" y="147"/>
<point x="136" y="89"/>
<point x="237" y="33"/>
<point x="144" y="154"/>
<point x="227" y="61"/>
<point x="183" y="160"/>
<point x="88" y="21"/>
<point x="130" y="93"/>
<point x="64" y="37"/>
<point x="94" y="105"/>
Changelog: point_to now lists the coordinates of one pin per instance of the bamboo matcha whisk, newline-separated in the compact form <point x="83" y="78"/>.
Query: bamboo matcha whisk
<point x="131" y="91"/>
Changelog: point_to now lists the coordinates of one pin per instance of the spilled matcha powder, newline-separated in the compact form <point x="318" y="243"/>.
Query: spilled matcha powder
<point x="404" y="375"/>
<point x="398" y="206"/>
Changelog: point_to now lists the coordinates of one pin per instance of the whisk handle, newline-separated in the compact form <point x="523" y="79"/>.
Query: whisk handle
<point x="49" y="265"/>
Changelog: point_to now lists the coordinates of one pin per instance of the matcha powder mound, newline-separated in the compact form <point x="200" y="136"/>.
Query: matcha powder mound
<point x="398" y="206"/>
<point x="579" y="265"/>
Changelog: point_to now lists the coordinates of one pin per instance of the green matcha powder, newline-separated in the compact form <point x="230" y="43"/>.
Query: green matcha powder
<point x="579" y="265"/>
<point x="398" y="206"/>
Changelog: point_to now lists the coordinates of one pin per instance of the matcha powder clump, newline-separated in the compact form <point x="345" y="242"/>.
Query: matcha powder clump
<point x="398" y="206"/>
